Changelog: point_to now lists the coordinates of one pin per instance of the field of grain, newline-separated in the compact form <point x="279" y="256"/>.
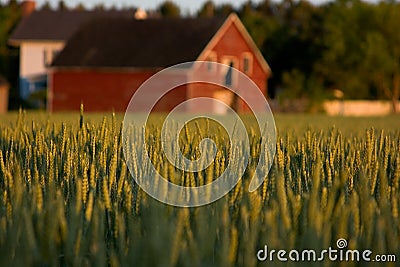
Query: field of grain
<point x="67" y="197"/>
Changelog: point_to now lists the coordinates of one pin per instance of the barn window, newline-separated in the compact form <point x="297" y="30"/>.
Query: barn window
<point x="247" y="61"/>
<point x="55" y="54"/>
<point x="46" y="57"/>
<point x="230" y="76"/>
<point x="212" y="57"/>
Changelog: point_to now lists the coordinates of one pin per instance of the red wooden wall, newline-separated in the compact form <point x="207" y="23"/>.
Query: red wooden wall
<point x="103" y="90"/>
<point x="233" y="44"/>
<point x="98" y="90"/>
<point x="112" y="89"/>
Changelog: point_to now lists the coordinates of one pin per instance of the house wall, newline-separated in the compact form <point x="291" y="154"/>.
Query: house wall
<point x="232" y="46"/>
<point x="32" y="56"/>
<point x="105" y="90"/>
<point x="196" y="90"/>
<point x="32" y="65"/>
<point x="359" y="107"/>
<point x="70" y="87"/>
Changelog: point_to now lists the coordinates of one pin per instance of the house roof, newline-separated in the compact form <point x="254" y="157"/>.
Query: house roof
<point x="234" y="19"/>
<point x="50" y="25"/>
<point x="125" y="42"/>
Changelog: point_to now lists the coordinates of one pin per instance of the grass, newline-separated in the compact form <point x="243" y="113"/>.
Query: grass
<point x="284" y="121"/>
<point x="67" y="198"/>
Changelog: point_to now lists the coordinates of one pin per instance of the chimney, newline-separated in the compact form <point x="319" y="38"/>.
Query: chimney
<point x="140" y="14"/>
<point x="28" y="6"/>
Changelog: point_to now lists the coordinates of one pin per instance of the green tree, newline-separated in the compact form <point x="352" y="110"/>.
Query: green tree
<point x="46" y="5"/>
<point x="99" y="7"/>
<point x="362" y="52"/>
<point x="341" y="64"/>
<point x="10" y="15"/>
<point x="169" y="9"/>
<point x="80" y="7"/>
<point x="266" y="8"/>
<point x="381" y="50"/>
<point x="62" y="5"/>
<point x="207" y="10"/>
<point x="224" y="9"/>
<point x="288" y="35"/>
<point x="259" y="26"/>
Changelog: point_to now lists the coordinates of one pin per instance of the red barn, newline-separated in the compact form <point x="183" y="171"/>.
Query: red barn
<point x="105" y="61"/>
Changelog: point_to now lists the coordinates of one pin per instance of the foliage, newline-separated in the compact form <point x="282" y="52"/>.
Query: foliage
<point x="209" y="9"/>
<point x="67" y="199"/>
<point x="348" y="45"/>
<point x="10" y="14"/>
<point x="169" y="9"/>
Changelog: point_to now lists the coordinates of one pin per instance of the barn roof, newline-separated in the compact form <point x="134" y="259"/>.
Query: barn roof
<point x="60" y="25"/>
<point x="125" y="42"/>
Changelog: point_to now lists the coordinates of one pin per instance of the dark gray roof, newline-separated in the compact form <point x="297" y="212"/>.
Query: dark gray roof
<point x="125" y="42"/>
<point x="57" y="25"/>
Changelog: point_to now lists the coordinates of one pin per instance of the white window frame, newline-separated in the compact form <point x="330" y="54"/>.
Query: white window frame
<point x="46" y="57"/>
<point x="211" y="57"/>
<point x="226" y="60"/>
<point x="49" y="55"/>
<point x="249" y="57"/>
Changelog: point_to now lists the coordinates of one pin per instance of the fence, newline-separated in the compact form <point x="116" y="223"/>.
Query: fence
<point x="4" y="88"/>
<point x="359" y="107"/>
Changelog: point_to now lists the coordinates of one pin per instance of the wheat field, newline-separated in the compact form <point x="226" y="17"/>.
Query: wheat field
<point x="68" y="199"/>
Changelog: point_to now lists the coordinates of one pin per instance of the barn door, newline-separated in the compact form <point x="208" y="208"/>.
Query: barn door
<point x="225" y="96"/>
<point x="229" y="80"/>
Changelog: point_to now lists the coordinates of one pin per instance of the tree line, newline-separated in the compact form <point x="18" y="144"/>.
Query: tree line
<point x="346" y="46"/>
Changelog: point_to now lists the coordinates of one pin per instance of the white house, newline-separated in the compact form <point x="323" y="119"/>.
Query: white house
<point x="41" y="35"/>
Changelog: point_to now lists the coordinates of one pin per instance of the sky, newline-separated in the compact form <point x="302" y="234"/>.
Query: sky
<point x="187" y="6"/>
